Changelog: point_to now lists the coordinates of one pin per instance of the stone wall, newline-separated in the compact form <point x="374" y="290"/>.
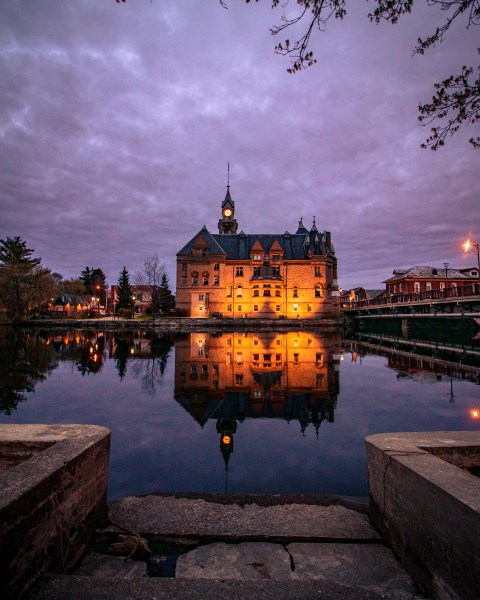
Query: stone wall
<point x="426" y="505"/>
<point x="52" y="497"/>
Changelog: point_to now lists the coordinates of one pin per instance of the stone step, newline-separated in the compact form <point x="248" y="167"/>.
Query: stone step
<point x="245" y="570"/>
<point x="171" y="516"/>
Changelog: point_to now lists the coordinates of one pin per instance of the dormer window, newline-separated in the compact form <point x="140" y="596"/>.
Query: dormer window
<point x="257" y="257"/>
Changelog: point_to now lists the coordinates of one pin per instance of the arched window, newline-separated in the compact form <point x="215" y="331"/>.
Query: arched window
<point x="239" y="291"/>
<point x="194" y="277"/>
<point x="318" y="291"/>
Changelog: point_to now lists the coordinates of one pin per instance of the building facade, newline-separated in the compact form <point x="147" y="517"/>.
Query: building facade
<point x="240" y="275"/>
<point x="426" y="279"/>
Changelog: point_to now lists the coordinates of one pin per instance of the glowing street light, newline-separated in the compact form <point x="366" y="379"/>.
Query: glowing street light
<point x="467" y="246"/>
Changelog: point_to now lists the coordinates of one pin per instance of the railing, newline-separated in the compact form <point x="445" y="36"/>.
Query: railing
<point x="466" y="291"/>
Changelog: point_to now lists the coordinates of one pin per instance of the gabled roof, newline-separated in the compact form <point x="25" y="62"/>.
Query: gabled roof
<point x="203" y="239"/>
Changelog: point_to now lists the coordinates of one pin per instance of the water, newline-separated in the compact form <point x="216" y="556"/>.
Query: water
<point x="297" y="406"/>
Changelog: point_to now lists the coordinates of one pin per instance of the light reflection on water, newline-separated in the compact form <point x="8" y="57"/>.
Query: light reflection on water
<point x="292" y="409"/>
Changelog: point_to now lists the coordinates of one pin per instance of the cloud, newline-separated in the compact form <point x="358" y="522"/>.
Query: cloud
<point x="117" y="122"/>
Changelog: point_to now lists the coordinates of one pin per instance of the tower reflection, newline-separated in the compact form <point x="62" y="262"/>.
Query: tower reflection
<point x="233" y="377"/>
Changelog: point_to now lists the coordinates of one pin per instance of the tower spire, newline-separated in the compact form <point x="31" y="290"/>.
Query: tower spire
<point x="228" y="175"/>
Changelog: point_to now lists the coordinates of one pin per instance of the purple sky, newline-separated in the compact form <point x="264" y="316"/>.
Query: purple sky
<point x="117" y="122"/>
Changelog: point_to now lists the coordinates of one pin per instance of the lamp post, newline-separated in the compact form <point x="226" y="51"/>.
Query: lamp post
<point x="466" y="247"/>
<point x="446" y="277"/>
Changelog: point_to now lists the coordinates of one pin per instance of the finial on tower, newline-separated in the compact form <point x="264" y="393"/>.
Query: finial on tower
<point x="228" y="174"/>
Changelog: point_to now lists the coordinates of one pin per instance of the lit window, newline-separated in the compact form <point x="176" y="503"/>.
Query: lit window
<point x="295" y="308"/>
<point x="239" y="358"/>
<point x="257" y="257"/>
<point x="239" y="291"/>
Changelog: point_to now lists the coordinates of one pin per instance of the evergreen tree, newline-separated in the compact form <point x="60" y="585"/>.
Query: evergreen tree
<point x="124" y="292"/>
<point x="24" y="284"/>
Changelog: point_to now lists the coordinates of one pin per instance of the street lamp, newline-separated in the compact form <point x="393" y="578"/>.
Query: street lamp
<point x="466" y="247"/>
<point x="446" y="277"/>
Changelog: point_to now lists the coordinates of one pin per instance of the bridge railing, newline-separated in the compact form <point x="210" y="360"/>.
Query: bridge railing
<point x="464" y="291"/>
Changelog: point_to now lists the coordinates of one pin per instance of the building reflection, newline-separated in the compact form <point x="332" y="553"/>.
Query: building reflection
<point x="230" y="377"/>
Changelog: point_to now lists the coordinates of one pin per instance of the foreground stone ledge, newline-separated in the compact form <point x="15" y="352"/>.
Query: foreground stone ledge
<point x="52" y="497"/>
<point x="169" y="516"/>
<point x="427" y="507"/>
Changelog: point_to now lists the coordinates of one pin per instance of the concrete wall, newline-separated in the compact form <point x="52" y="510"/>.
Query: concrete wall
<point x="428" y="509"/>
<point x="52" y="497"/>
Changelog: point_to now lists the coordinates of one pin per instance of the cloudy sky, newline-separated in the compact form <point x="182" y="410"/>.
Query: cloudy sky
<point x="117" y="122"/>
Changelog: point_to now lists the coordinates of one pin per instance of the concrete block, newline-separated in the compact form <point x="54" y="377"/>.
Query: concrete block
<point x="428" y="509"/>
<point x="50" y="502"/>
<point x="246" y="562"/>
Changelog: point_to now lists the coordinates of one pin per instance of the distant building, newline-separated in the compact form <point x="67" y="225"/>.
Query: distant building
<point x="257" y="275"/>
<point x="424" y="279"/>
<point x="142" y="296"/>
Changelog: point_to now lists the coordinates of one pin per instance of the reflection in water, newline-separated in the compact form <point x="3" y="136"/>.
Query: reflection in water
<point x="236" y="376"/>
<point x="149" y="355"/>
<point x="24" y="360"/>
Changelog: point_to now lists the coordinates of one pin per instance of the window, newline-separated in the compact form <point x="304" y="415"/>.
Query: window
<point x="416" y="287"/>
<point x="318" y="272"/>
<point x="229" y="308"/>
<point x="319" y="379"/>
<point x="318" y="291"/>
<point x="204" y="253"/>
<point x="267" y="360"/>
<point x="275" y="257"/>
<point x="184" y="267"/>
<point x="239" y="272"/>
<point x="295" y="308"/>
<point x="201" y="297"/>
<point x="238" y="379"/>
<point x="309" y="308"/>
<point x="276" y="271"/>
<point x="295" y="358"/>
<point x="266" y="290"/>
<point x="138" y="297"/>
<point x="239" y="308"/>
<point x="239" y="358"/>
<point x="256" y="394"/>
<point x="395" y="288"/>
<point x="184" y="281"/>
<point x="216" y="280"/>
<point x="194" y="280"/>
<point x="215" y="370"/>
<point x="256" y="271"/>
<point x="256" y="357"/>
<point x="255" y="293"/>
<point x="277" y="308"/>
<point x="442" y="285"/>
<point x="255" y="341"/>
<point x="278" y="341"/>
<point x="229" y="291"/>
<point x="428" y="286"/>
<point x="255" y="308"/>
<point x="257" y="257"/>
<point x="278" y="291"/>
<point x="216" y="267"/>
<point x="295" y="291"/>
<point x="205" y="281"/>
<point x="319" y="359"/>
<point x="239" y="291"/>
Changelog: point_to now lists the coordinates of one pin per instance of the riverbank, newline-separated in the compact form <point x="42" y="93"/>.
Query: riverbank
<point x="186" y="324"/>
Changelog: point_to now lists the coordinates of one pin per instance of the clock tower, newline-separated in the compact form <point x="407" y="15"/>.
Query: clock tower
<point x="227" y="223"/>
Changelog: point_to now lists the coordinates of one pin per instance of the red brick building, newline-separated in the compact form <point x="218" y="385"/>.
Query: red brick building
<point x="425" y="279"/>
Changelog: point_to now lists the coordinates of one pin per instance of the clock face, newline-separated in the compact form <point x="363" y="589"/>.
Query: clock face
<point x="227" y="212"/>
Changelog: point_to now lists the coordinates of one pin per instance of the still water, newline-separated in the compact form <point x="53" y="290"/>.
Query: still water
<point x="292" y="409"/>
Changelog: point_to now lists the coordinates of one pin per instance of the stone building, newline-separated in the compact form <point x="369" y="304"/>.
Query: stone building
<point x="271" y="275"/>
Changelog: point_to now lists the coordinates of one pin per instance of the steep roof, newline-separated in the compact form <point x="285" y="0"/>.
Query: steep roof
<point x="203" y="239"/>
